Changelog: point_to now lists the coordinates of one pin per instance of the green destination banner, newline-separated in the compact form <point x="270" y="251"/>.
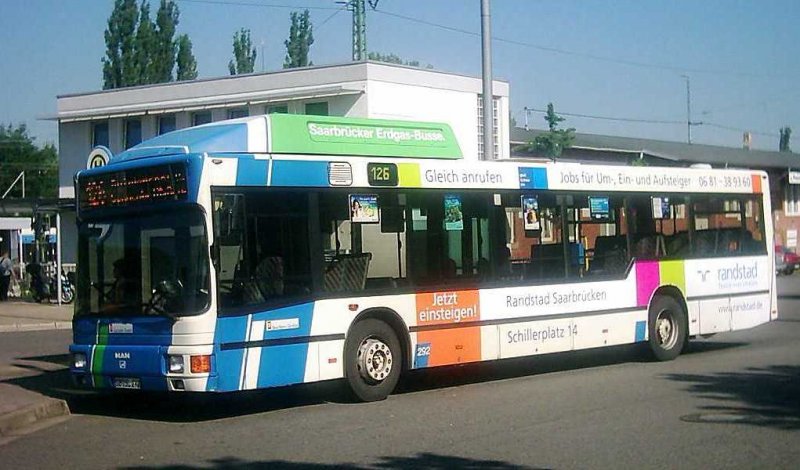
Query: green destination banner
<point x="324" y="135"/>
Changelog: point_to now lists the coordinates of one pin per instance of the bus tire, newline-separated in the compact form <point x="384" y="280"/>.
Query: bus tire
<point x="373" y="360"/>
<point x="666" y="328"/>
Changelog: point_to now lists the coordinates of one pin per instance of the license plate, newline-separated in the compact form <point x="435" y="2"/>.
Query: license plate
<point x="129" y="383"/>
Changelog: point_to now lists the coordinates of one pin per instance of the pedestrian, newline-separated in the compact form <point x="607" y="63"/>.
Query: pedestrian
<point x="6" y="271"/>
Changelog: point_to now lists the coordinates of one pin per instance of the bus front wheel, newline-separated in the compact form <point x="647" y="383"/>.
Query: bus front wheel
<point x="373" y="360"/>
<point x="667" y="328"/>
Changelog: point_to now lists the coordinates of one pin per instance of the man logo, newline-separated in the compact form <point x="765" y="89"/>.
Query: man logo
<point x="703" y="274"/>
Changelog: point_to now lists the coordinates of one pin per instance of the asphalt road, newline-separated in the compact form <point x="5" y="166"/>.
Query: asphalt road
<point x="731" y="401"/>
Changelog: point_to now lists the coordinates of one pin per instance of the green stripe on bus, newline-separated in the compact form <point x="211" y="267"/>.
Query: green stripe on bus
<point x="408" y="174"/>
<point x="672" y="272"/>
<point x="98" y="353"/>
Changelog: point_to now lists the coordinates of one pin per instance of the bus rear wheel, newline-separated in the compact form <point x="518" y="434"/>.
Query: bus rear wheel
<point x="373" y="360"/>
<point x="667" y="328"/>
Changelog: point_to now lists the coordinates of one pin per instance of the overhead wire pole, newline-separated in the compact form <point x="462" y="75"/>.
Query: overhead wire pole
<point x="689" y="122"/>
<point x="359" y="9"/>
<point x="359" y="31"/>
<point x="688" y="110"/>
<point x="486" y="56"/>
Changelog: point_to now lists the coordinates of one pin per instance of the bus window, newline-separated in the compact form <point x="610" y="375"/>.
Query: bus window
<point x="597" y="232"/>
<point x="261" y="248"/>
<point x="357" y="255"/>
<point x="449" y="238"/>
<point x="727" y="225"/>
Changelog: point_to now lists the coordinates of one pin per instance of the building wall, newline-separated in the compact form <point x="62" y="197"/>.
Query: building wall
<point x="74" y="145"/>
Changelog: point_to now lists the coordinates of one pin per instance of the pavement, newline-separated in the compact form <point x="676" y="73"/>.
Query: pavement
<point x="23" y="410"/>
<point x="18" y="315"/>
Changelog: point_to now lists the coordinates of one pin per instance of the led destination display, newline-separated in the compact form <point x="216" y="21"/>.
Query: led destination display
<point x="133" y="187"/>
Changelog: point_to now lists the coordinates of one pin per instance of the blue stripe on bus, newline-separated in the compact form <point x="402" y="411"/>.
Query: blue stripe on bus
<point x="251" y="172"/>
<point x="285" y="364"/>
<point x="299" y="173"/>
<point x="641" y="329"/>
<point x="228" y="362"/>
<point x="532" y="178"/>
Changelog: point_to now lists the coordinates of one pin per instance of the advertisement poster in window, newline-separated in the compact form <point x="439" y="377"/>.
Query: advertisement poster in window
<point x="599" y="207"/>
<point x="530" y="213"/>
<point x="453" y="216"/>
<point x="364" y="208"/>
<point x="660" y="207"/>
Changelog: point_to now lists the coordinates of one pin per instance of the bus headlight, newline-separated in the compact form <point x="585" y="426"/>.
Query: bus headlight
<point x="175" y="364"/>
<point x="79" y="360"/>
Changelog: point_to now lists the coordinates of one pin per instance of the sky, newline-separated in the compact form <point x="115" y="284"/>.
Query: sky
<point x="621" y="59"/>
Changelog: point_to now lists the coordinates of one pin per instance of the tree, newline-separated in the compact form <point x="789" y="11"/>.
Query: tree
<point x="187" y="65"/>
<point x="552" y="143"/>
<point x="244" y="54"/>
<point x="19" y="153"/>
<point x="119" y="66"/>
<point x="143" y="47"/>
<point x="301" y="37"/>
<point x="164" y="46"/>
<point x="138" y="50"/>
<point x="395" y="59"/>
<point x="786" y="134"/>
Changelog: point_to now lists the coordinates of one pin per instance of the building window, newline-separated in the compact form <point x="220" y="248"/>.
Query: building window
<point x="277" y="109"/>
<point x="792" y="200"/>
<point x="100" y="134"/>
<point x="238" y="113"/>
<point x="201" y="118"/>
<point x="166" y="123"/>
<point x="317" y="109"/>
<point x="495" y="126"/>
<point x="133" y="132"/>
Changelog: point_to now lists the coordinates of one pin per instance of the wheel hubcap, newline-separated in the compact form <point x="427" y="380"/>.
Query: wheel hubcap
<point x="666" y="332"/>
<point x="374" y="360"/>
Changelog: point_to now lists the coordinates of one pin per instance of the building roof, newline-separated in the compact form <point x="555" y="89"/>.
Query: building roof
<point x="256" y="88"/>
<point x="675" y="151"/>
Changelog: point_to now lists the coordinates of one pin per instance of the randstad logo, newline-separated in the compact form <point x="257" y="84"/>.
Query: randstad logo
<point x="703" y="274"/>
<point x="739" y="272"/>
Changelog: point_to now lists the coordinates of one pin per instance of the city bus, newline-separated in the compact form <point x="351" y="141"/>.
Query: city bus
<point x="284" y="249"/>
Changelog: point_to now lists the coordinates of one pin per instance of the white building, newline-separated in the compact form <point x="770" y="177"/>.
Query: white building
<point x="121" y="118"/>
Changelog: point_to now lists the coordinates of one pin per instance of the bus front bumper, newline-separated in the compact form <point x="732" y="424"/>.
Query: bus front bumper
<point x="147" y="368"/>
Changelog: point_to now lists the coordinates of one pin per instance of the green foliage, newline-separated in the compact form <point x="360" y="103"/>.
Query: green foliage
<point x="165" y="46"/>
<point x="301" y="37"/>
<point x="244" y="54"/>
<point x="119" y="66"/>
<point x="143" y="47"/>
<point x="395" y="59"/>
<point x="187" y="66"/>
<point x="786" y="134"/>
<point x="138" y="50"/>
<point x="19" y="153"/>
<point x="553" y="143"/>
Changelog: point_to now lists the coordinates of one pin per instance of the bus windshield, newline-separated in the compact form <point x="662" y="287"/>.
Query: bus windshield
<point x="155" y="264"/>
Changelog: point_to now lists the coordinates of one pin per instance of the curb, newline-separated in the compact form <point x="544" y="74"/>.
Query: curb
<point x="51" y="325"/>
<point x="15" y="422"/>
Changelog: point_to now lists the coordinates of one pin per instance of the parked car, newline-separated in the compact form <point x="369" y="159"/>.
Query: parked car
<point x="786" y="261"/>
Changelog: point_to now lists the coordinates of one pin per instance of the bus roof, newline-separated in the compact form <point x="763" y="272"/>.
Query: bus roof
<point x="303" y="134"/>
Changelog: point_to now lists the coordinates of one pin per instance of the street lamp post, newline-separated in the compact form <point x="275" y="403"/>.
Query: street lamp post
<point x="488" y="108"/>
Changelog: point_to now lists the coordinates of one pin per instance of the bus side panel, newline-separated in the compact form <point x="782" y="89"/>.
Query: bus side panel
<point x="729" y="293"/>
<point x="229" y="360"/>
<point x="749" y="311"/>
<point x="265" y="349"/>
